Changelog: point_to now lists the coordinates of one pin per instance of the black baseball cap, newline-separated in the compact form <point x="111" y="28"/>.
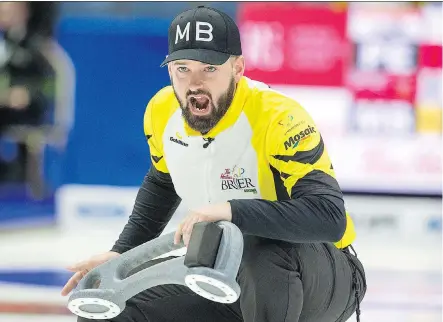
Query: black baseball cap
<point x="203" y="34"/>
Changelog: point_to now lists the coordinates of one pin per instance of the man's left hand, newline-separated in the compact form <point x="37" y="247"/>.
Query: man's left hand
<point x="210" y="213"/>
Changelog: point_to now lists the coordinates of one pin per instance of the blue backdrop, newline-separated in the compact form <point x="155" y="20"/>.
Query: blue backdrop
<point x="117" y="68"/>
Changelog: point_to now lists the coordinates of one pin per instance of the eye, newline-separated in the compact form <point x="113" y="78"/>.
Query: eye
<point x="183" y="69"/>
<point x="210" y="69"/>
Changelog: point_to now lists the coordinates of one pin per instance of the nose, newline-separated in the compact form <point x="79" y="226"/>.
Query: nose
<point x="196" y="82"/>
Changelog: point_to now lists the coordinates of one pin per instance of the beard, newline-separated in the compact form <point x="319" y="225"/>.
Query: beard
<point x="204" y="124"/>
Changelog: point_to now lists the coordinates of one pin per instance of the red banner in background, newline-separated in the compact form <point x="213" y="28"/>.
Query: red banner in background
<point x="370" y="85"/>
<point x="294" y="44"/>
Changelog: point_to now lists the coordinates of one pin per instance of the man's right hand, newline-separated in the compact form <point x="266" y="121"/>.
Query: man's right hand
<point x="82" y="268"/>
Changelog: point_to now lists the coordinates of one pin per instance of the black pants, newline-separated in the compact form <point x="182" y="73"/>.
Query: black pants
<point x="14" y="171"/>
<point x="280" y="282"/>
<point x="9" y="116"/>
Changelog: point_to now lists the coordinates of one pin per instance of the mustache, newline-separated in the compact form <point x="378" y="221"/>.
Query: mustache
<point x="198" y="92"/>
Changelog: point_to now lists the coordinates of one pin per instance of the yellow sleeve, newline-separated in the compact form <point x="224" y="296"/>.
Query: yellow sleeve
<point x="294" y="146"/>
<point x="154" y="138"/>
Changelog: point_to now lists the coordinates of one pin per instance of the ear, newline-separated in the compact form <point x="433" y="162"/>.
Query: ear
<point x="170" y="70"/>
<point x="239" y="68"/>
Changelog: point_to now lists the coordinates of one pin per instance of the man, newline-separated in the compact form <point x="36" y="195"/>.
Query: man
<point x="232" y="149"/>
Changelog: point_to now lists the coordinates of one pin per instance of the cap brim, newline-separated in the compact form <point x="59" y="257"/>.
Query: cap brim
<point x="202" y="55"/>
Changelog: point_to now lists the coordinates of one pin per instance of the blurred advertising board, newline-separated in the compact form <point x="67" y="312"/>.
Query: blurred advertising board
<point x="88" y="207"/>
<point x="396" y="216"/>
<point x="92" y="209"/>
<point x="370" y="76"/>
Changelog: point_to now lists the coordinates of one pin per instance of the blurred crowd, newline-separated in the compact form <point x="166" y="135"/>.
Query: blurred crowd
<point x="26" y="77"/>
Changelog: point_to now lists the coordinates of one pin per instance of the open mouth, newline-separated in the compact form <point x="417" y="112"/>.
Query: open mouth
<point x="199" y="104"/>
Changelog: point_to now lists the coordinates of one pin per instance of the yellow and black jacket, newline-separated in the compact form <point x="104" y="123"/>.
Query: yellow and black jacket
<point x="266" y="157"/>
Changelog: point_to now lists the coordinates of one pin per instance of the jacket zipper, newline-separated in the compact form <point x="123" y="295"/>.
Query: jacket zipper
<point x="208" y="173"/>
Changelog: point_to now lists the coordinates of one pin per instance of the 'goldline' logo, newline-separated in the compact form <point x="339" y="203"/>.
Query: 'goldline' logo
<point x="173" y="139"/>
<point x="294" y="141"/>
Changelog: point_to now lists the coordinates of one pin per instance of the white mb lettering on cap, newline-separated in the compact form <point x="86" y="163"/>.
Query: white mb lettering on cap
<point x="199" y="32"/>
